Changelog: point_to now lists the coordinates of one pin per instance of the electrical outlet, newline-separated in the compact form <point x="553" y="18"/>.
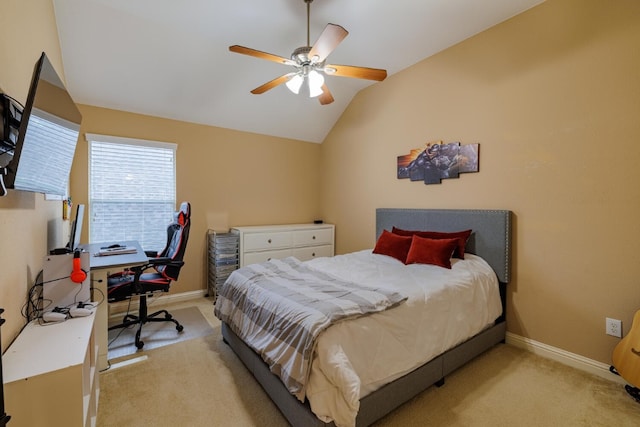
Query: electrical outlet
<point x="614" y="327"/>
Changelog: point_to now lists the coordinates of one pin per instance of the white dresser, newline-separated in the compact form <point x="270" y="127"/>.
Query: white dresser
<point x="260" y="243"/>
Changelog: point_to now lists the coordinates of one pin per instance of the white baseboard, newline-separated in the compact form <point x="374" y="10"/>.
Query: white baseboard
<point x="564" y="357"/>
<point x="116" y="308"/>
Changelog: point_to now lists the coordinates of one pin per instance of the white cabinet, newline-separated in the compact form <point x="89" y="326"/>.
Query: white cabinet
<point x="260" y="243"/>
<point x="50" y="375"/>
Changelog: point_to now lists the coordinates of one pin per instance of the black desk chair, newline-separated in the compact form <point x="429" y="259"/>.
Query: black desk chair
<point x="167" y="264"/>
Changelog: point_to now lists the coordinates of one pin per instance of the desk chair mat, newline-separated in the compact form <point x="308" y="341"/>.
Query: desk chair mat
<point x="158" y="334"/>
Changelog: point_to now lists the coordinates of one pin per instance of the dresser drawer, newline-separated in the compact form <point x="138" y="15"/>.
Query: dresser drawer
<point x="260" y="243"/>
<point x="267" y="241"/>
<point x="260" y="257"/>
<point x="322" y="236"/>
<point x="307" y="253"/>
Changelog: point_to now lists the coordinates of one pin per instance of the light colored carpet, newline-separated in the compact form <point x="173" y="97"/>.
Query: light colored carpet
<point x="200" y="382"/>
<point x="158" y="334"/>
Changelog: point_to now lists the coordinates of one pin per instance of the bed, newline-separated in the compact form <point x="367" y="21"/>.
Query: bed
<point x="490" y="240"/>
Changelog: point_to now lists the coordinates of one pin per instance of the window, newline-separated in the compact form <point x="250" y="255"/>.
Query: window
<point x="132" y="190"/>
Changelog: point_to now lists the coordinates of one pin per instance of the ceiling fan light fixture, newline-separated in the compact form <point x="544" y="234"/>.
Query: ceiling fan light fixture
<point x="294" y="83"/>
<point x="309" y="62"/>
<point x="315" y="80"/>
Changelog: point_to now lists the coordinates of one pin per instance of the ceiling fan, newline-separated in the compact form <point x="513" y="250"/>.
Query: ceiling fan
<point x="309" y="64"/>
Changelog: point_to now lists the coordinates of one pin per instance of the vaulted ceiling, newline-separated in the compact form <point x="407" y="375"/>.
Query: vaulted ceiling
<point x="170" y="58"/>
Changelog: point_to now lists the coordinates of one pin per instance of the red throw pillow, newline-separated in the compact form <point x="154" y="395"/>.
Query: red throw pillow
<point x="424" y="250"/>
<point x="393" y="245"/>
<point x="463" y="236"/>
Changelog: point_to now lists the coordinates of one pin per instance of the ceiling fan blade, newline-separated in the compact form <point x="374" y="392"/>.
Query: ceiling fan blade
<point x="273" y="83"/>
<point x="330" y="38"/>
<point x="259" y="54"/>
<point x="326" y="97"/>
<point x="356" y="72"/>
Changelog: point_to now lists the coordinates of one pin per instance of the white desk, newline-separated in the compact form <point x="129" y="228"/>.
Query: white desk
<point x="50" y="376"/>
<point x="101" y="267"/>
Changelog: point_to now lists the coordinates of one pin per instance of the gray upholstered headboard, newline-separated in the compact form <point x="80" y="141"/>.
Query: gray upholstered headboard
<point x="490" y="239"/>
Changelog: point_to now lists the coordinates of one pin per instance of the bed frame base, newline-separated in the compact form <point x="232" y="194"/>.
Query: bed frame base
<point x="382" y="401"/>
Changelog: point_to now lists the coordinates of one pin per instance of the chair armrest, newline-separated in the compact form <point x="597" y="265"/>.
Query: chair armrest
<point x="151" y="254"/>
<point x="159" y="261"/>
<point x="167" y="261"/>
<point x="153" y="262"/>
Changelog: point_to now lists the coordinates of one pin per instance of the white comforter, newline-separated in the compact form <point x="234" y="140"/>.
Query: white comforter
<point x="444" y="308"/>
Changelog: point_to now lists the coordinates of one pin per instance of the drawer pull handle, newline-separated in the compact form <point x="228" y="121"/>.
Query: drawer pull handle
<point x="313" y="254"/>
<point x="269" y="259"/>
<point x="269" y="241"/>
<point x="314" y="237"/>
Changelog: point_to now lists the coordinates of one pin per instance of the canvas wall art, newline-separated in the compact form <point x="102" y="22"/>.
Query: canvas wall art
<point x="438" y="161"/>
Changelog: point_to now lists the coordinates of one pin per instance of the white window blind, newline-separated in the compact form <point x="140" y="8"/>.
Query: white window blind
<point x="131" y="190"/>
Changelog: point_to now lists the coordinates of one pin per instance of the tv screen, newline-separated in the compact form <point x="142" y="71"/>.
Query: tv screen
<point x="47" y="137"/>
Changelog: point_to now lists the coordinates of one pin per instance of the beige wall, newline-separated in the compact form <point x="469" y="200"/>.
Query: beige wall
<point x="553" y="98"/>
<point x="230" y="178"/>
<point x="29" y="225"/>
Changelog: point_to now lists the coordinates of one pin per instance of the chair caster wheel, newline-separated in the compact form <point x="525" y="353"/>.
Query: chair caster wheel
<point x="179" y="328"/>
<point x="139" y="342"/>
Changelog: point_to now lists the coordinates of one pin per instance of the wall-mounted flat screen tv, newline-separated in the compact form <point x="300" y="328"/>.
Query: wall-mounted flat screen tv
<point x="49" y="127"/>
